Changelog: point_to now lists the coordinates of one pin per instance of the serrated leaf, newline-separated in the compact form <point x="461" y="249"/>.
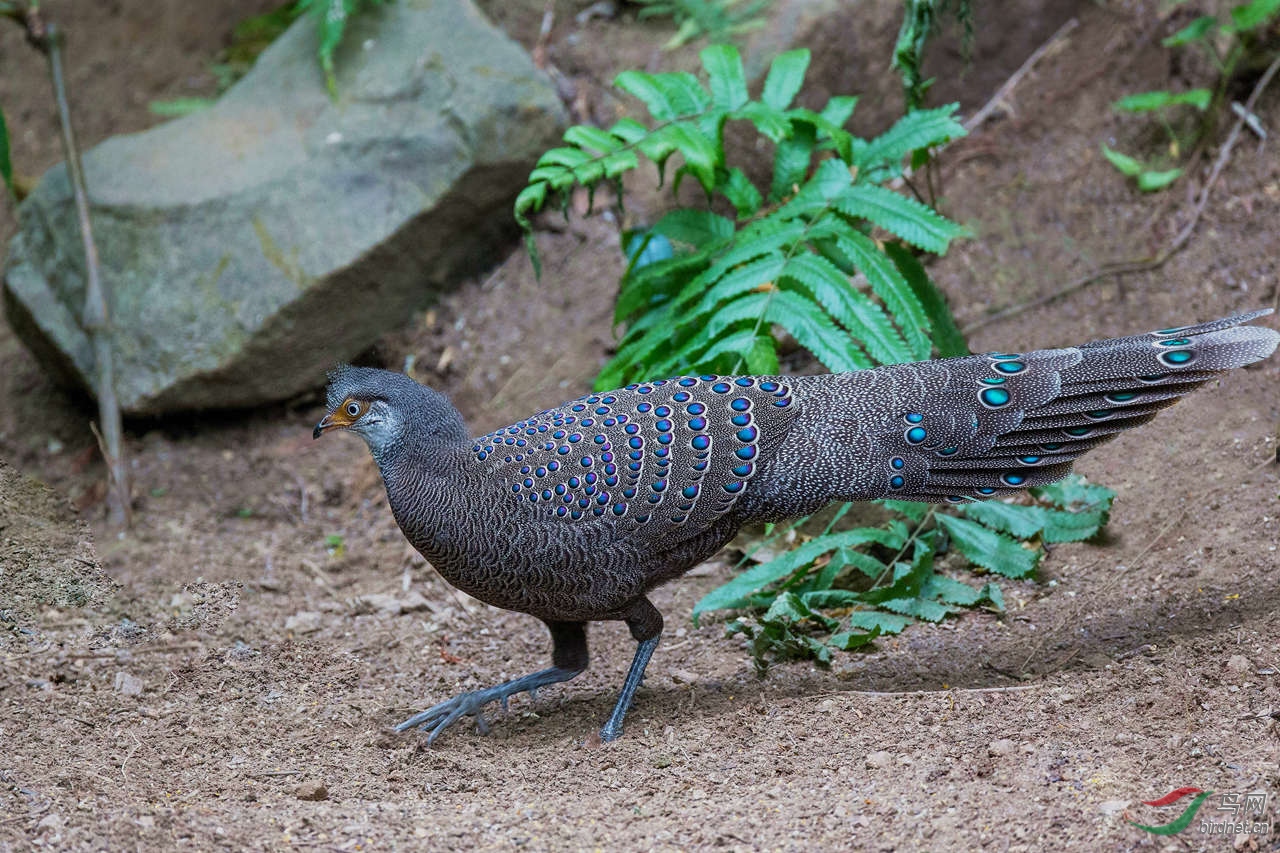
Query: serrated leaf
<point x="919" y="129"/>
<point x="914" y="510"/>
<point x="891" y="287"/>
<point x="774" y="124"/>
<point x="592" y="139"/>
<point x="644" y="87"/>
<point x="993" y="551"/>
<point x="1125" y="164"/>
<point x="849" y="640"/>
<point x="1194" y="31"/>
<point x="726" y="76"/>
<point x="916" y="223"/>
<point x="871" y="620"/>
<point x="737" y="282"/>
<point x="1074" y="492"/>
<point x="813" y="330"/>
<point x="864" y="319"/>
<point x="741" y="193"/>
<point x="946" y="335"/>
<point x="791" y="161"/>
<point x="734" y="593"/>
<point x="785" y="77"/>
<point x="1021" y="521"/>
<point x="1062" y="526"/>
<point x="701" y="155"/>
<point x="700" y="228"/>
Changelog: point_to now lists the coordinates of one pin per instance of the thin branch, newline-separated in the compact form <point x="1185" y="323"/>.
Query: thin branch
<point x="1004" y="91"/>
<point x="47" y="38"/>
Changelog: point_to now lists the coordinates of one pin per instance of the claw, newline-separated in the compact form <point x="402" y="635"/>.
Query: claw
<point x="439" y="717"/>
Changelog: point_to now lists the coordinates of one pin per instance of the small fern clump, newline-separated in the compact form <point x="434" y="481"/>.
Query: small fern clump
<point x="710" y="299"/>
<point x="826" y="254"/>
<point x="841" y="590"/>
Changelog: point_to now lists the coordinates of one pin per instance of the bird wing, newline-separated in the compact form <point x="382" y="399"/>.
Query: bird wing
<point x="973" y="427"/>
<point x="671" y="455"/>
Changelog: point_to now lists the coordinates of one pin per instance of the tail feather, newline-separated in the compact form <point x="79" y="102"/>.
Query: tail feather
<point x="984" y="425"/>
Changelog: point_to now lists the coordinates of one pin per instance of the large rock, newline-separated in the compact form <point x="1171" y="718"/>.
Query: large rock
<point x="250" y="246"/>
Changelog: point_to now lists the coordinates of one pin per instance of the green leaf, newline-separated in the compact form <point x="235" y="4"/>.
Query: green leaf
<point x="914" y="510"/>
<point x="885" y="623"/>
<point x="989" y="549"/>
<point x="916" y="223"/>
<point x="1152" y="181"/>
<point x="814" y="331"/>
<point x="919" y="129"/>
<point x="694" y="227"/>
<point x="701" y="154"/>
<point x="734" y="593"/>
<point x="791" y="161"/>
<point x="530" y="200"/>
<point x="1061" y="526"/>
<point x="1158" y="100"/>
<point x="1195" y="31"/>
<point x="839" y="109"/>
<point x="6" y="167"/>
<point x="592" y="139"/>
<point x="848" y="640"/>
<point x="1248" y="16"/>
<point x="737" y="282"/>
<point x="774" y="124"/>
<point x="1125" y="164"/>
<point x="891" y="287"/>
<point x="1023" y="522"/>
<point x="741" y="193"/>
<point x="786" y="76"/>
<point x="1074" y="492"/>
<point x="727" y="78"/>
<point x="947" y="336"/>
<point x="666" y="96"/>
<point x="867" y="321"/>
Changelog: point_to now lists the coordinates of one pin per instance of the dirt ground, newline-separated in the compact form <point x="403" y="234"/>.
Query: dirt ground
<point x="236" y="688"/>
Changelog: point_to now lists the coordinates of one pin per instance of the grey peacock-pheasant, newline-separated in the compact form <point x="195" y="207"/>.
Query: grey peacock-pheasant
<point x="575" y="514"/>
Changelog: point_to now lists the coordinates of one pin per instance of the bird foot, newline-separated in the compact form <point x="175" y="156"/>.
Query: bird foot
<point x="470" y="704"/>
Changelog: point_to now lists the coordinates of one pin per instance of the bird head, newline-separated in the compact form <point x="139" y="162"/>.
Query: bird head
<point x="387" y="409"/>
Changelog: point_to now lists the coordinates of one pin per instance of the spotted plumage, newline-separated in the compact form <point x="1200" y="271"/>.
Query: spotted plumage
<point x="574" y="514"/>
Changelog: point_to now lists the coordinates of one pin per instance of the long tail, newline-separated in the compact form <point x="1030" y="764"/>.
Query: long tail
<point x="979" y="426"/>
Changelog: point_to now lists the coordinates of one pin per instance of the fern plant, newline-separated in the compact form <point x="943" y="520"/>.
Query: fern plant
<point x="826" y="254"/>
<point x="787" y="257"/>
<point x="841" y="590"/>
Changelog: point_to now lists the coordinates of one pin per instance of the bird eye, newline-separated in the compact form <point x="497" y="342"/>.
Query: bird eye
<point x="353" y="409"/>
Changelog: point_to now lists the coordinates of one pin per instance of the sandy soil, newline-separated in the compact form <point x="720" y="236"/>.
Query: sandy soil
<point x="236" y="689"/>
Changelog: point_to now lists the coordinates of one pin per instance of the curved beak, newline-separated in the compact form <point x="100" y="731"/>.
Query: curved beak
<point x="326" y="423"/>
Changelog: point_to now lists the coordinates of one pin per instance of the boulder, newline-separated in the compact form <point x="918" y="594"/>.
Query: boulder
<point x="249" y="246"/>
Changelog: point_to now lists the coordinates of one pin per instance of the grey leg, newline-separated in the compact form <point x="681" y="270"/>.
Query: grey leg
<point x="645" y="623"/>
<point x="568" y="658"/>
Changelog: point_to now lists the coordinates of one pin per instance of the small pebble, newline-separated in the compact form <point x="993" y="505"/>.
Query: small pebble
<point x="311" y="790"/>
<point x="880" y="758"/>
<point x="1004" y="746"/>
<point x="127" y="684"/>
